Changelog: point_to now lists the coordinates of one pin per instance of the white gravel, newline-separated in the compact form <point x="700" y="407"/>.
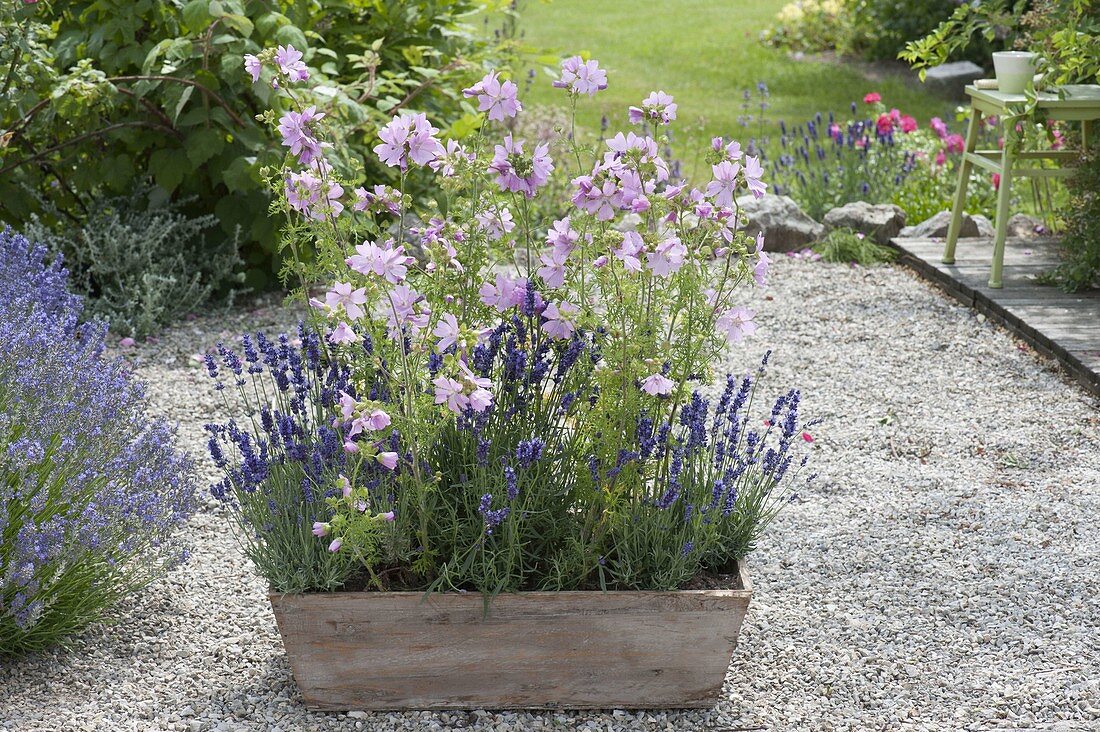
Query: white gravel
<point x="943" y="574"/>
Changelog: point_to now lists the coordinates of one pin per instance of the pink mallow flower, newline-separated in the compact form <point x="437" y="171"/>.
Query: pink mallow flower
<point x="736" y="323"/>
<point x="289" y="61"/>
<point x="408" y="137"/>
<point x="296" y="129"/>
<point x="342" y="333"/>
<point x="581" y="77"/>
<point x="667" y="258"/>
<point x="253" y="66"/>
<point x="724" y="186"/>
<point x="309" y="194"/>
<point x="388" y="460"/>
<point x="658" y="385"/>
<point x="630" y="251"/>
<point x="496" y="97"/>
<point x="760" y="271"/>
<point x="447" y="331"/>
<point x="552" y="270"/>
<point x="561" y="236"/>
<point x="450" y="392"/>
<point x="658" y="107"/>
<point x="342" y="295"/>
<point x="495" y="222"/>
<point x="320" y="528"/>
<point x="753" y="174"/>
<point x="335" y="545"/>
<point x="517" y="172"/>
<point x="558" y="316"/>
<point x="506" y="292"/>
<point x="388" y="262"/>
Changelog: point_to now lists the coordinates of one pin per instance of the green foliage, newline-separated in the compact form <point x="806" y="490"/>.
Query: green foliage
<point x="112" y="92"/>
<point x="811" y="26"/>
<point x="140" y="263"/>
<point x="1080" y="269"/>
<point x="846" y="246"/>
<point x="1064" y="33"/>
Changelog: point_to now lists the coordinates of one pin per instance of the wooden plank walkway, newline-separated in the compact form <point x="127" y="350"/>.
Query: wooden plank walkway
<point x="1063" y="326"/>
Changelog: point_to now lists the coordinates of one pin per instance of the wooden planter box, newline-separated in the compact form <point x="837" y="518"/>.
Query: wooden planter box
<point x="570" y="650"/>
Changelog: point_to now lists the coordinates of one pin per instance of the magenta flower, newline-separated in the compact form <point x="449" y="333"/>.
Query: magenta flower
<point x="388" y="262"/>
<point x="658" y="107"/>
<point x="872" y="98"/>
<point x="253" y="66"/>
<point x="736" y="323"/>
<point x="389" y="462"/>
<point x="667" y="258"/>
<point x="558" y="323"/>
<point x="495" y="97"/>
<point x="581" y="77"/>
<point x="289" y="61"/>
<point x="447" y="331"/>
<point x="342" y="295"/>
<point x="320" y="529"/>
<point x="939" y="127"/>
<point x="503" y="294"/>
<point x="658" y="385"/>
<point x="907" y="124"/>
<point x="724" y="186"/>
<point x="342" y="333"/>
<point x="517" y="172"/>
<point x="753" y="173"/>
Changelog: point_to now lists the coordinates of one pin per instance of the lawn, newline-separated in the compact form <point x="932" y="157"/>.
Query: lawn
<point x="705" y="53"/>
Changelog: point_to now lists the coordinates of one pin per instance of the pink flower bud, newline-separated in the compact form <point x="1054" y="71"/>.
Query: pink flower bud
<point x="351" y="448"/>
<point x="335" y="545"/>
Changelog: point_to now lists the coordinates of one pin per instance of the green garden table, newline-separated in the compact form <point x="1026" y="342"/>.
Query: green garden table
<point x="1080" y="103"/>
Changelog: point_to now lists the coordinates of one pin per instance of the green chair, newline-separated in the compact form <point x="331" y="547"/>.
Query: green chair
<point x="1080" y="103"/>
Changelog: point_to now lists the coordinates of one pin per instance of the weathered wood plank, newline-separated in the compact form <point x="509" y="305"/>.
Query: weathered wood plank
<point x="1061" y="325"/>
<point x="403" y="650"/>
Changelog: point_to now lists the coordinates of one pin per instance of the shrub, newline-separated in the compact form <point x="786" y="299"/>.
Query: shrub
<point x="811" y="26"/>
<point x="1080" y="269"/>
<point x="140" y="265"/>
<point x="508" y="411"/>
<point x="112" y="93"/>
<point x="882" y="28"/>
<point x="93" y="487"/>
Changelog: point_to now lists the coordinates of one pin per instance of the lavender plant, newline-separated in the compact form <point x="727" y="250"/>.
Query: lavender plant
<point x="514" y="410"/>
<point x="93" y="489"/>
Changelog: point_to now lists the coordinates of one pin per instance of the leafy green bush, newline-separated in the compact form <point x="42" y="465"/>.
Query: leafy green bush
<point x="112" y="92"/>
<point x="846" y="246"/>
<point x="141" y="263"/>
<point x="882" y="28"/>
<point x="1080" y="269"/>
<point x="811" y="26"/>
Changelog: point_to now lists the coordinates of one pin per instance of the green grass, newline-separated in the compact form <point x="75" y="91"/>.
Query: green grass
<point x="704" y="53"/>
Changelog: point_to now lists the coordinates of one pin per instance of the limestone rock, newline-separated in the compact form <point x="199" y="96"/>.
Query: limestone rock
<point x="882" y="222"/>
<point x="786" y="227"/>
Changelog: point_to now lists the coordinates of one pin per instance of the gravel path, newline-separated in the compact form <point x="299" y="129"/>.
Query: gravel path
<point x="944" y="573"/>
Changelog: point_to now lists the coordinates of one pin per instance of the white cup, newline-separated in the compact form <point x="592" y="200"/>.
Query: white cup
<point x="1014" y="70"/>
